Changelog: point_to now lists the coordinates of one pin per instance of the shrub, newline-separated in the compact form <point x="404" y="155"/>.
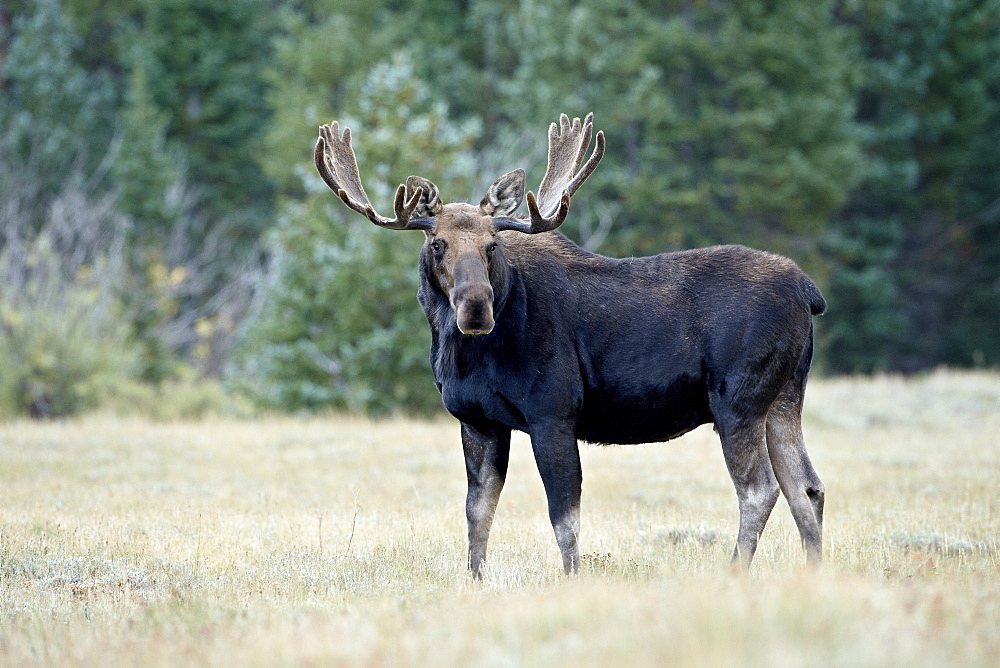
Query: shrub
<point x="63" y="337"/>
<point x="184" y="396"/>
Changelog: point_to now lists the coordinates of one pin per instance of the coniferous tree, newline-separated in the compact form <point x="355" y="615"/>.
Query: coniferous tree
<point x="915" y="251"/>
<point x="205" y="63"/>
<point x="55" y="116"/>
<point x="340" y="326"/>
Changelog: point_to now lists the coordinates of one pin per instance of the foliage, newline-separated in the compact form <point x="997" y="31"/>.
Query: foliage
<point x="730" y="122"/>
<point x="929" y="106"/>
<point x="864" y="295"/>
<point x="204" y="63"/>
<point x="54" y="117"/>
<point x="860" y="138"/>
<point x="63" y="340"/>
<point x="340" y="327"/>
<point x="148" y="172"/>
<point x="181" y="397"/>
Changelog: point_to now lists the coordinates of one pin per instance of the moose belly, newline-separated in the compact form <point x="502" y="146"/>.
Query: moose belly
<point x="643" y="415"/>
<point x="620" y="413"/>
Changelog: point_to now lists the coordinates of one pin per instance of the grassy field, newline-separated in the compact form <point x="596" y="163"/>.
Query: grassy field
<point x="340" y="541"/>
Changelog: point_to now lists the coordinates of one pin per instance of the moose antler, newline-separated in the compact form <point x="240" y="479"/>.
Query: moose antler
<point x="338" y="166"/>
<point x="568" y="144"/>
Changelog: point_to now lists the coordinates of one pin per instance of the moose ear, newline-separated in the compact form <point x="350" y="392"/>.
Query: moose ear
<point x="505" y="195"/>
<point x="430" y="201"/>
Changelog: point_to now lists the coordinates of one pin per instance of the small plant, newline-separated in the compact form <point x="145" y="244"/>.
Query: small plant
<point x="596" y="563"/>
<point x="63" y="337"/>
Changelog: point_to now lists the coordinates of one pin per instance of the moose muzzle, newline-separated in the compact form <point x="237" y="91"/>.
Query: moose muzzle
<point x="472" y="296"/>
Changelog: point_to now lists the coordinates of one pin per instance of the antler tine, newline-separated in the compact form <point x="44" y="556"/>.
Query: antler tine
<point x="591" y="165"/>
<point x="338" y="166"/>
<point x="568" y="144"/>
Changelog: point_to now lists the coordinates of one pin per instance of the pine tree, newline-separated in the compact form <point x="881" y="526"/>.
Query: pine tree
<point x="55" y="117"/>
<point x="924" y="218"/>
<point x="147" y="168"/>
<point x="340" y="326"/>
<point x="205" y="67"/>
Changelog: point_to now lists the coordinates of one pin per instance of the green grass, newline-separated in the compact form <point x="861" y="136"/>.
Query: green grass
<point x="340" y="541"/>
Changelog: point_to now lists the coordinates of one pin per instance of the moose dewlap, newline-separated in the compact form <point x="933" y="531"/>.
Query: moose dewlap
<point x="531" y="332"/>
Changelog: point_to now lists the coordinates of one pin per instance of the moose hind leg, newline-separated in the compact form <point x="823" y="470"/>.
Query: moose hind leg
<point x="487" y="453"/>
<point x="801" y="486"/>
<point x="745" y="452"/>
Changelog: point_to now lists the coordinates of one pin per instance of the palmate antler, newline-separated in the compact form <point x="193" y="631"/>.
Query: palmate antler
<point x="568" y="144"/>
<point x="417" y="202"/>
<point x="338" y="166"/>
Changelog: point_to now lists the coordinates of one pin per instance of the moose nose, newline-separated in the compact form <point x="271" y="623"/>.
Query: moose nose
<point x="472" y="296"/>
<point x="473" y="306"/>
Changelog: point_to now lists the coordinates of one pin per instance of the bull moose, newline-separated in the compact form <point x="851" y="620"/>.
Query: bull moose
<point x="531" y="332"/>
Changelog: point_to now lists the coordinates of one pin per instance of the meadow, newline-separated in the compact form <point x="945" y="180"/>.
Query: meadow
<point x="341" y="541"/>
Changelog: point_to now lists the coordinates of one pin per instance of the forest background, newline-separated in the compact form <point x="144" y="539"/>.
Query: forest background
<point x="161" y="222"/>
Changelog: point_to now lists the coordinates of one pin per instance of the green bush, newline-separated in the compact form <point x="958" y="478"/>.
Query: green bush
<point x="186" y="396"/>
<point x="63" y="341"/>
<point x="341" y="327"/>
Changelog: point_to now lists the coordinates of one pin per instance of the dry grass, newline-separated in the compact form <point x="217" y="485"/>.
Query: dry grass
<point x="341" y="542"/>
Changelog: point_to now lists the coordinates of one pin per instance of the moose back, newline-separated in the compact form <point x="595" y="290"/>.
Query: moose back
<point x="531" y="332"/>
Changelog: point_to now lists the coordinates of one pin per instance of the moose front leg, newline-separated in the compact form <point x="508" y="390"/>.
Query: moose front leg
<point x="487" y="452"/>
<point x="558" y="460"/>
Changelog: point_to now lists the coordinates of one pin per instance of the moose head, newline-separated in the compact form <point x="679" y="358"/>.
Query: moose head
<point x="462" y="242"/>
